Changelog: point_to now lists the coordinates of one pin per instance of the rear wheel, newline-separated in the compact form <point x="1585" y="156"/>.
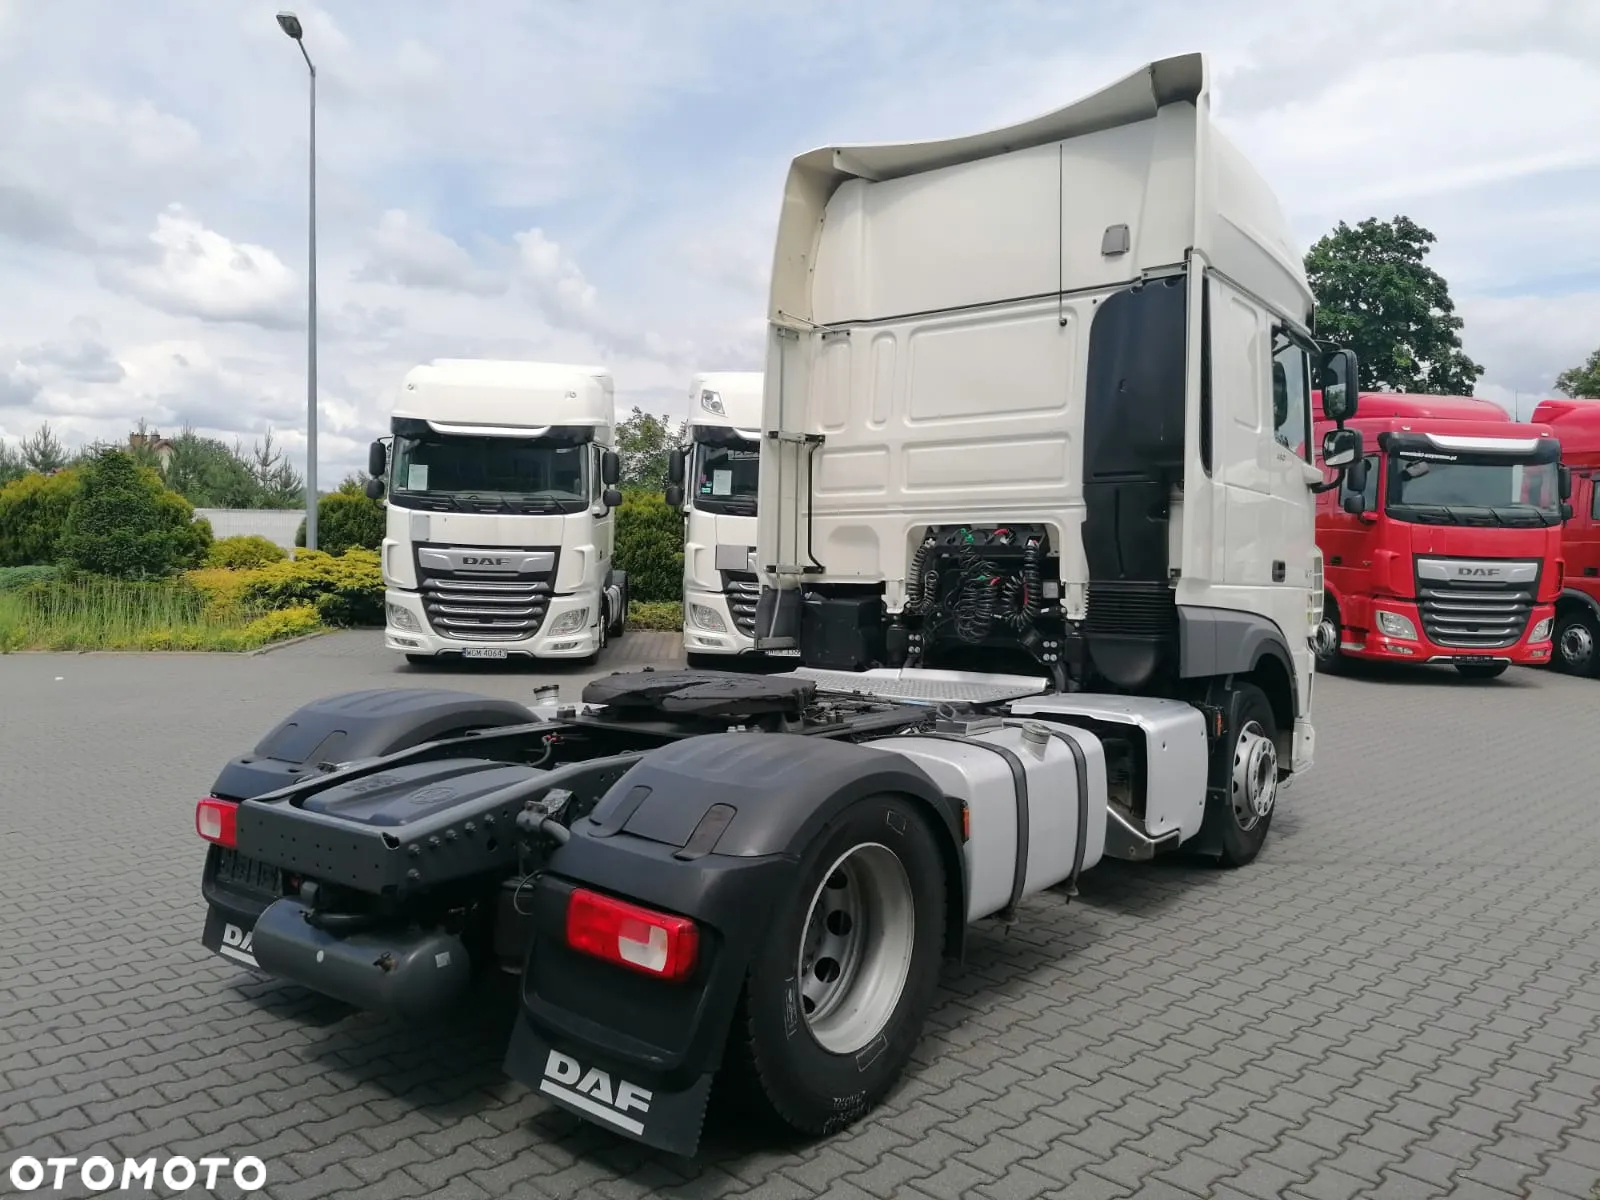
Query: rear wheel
<point x="1245" y="780"/>
<point x="835" y="999"/>
<point x="1577" y="644"/>
<point x="1491" y="670"/>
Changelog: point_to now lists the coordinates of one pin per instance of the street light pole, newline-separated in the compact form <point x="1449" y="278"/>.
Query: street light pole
<point x="290" y="24"/>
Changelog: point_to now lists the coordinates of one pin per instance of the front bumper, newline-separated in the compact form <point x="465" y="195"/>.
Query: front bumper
<point x="1376" y="645"/>
<point x="712" y="631"/>
<point x="582" y="643"/>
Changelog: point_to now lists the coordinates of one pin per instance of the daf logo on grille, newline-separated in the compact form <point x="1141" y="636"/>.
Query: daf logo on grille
<point x="1478" y="572"/>
<point x="472" y="560"/>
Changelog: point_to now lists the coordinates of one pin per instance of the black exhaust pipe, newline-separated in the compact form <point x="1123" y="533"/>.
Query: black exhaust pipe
<point x="407" y="972"/>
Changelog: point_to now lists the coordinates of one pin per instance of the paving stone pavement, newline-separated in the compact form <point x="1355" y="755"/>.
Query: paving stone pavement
<point x="1399" y="998"/>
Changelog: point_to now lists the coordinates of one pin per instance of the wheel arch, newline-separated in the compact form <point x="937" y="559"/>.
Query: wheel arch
<point x="1572" y="600"/>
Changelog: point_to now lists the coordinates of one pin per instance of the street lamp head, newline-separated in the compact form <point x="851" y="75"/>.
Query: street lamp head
<point x="290" y="24"/>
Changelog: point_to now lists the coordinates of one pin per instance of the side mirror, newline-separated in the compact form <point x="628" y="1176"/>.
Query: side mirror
<point x="1352" y="503"/>
<point x="1340" y="385"/>
<point x="612" y="497"/>
<point x="377" y="460"/>
<point x="675" y="468"/>
<point x="1564" y="480"/>
<point x="675" y="497"/>
<point x="374" y="489"/>
<point x="1566" y="511"/>
<point x="1342" y="448"/>
<point x="610" y="468"/>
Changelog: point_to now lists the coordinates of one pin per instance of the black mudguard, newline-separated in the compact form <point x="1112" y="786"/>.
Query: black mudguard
<point x="711" y="828"/>
<point x="359" y="725"/>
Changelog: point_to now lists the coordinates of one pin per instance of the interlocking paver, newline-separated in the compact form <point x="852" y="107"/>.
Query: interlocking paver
<point x="1401" y="997"/>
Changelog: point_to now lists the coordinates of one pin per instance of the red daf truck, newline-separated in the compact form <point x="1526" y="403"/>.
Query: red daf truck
<point x="1444" y="543"/>
<point x="1577" y="637"/>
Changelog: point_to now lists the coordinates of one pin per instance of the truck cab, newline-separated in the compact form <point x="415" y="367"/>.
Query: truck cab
<point x="1444" y="544"/>
<point x="1577" y="635"/>
<point x="500" y="528"/>
<point x="713" y="480"/>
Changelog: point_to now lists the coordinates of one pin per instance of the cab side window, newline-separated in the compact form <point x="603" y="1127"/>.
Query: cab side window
<point x="1594" y="500"/>
<point x="1369" y="494"/>
<point x="1291" y="395"/>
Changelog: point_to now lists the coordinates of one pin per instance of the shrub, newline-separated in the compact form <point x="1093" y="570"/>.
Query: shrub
<point x="346" y="519"/>
<point x="19" y="577"/>
<point x="345" y="590"/>
<point x="245" y="550"/>
<point x="659" y="615"/>
<point x="650" y="547"/>
<point x="221" y="590"/>
<point x="125" y="524"/>
<point x="33" y="512"/>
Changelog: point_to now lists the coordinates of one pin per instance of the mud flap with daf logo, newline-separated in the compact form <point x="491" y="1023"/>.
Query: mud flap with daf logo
<point x="229" y="936"/>
<point x="669" y="1121"/>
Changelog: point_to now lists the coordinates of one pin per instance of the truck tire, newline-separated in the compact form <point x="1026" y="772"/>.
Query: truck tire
<point x="1240" y="807"/>
<point x="1577" y="642"/>
<point x="1482" y="670"/>
<point x="619" y="624"/>
<point x="834" y="1002"/>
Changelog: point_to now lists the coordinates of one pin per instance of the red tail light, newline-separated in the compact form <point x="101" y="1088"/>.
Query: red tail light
<point x="217" y="821"/>
<point x="633" y="937"/>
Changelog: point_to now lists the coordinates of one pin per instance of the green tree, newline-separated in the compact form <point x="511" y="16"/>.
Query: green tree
<point x="1581" y="381"/>
<point x="43" y="452"/>
<point x="210" y="474"/>
<point x="643" y="443"/>
<point x="1377" y="296"/>
<point x="278" y="484"/>
<point x="650" y="546"/>
<point x="33" y="512"/>
<point x="11" y="465"/>
<point x="125" y="523"/>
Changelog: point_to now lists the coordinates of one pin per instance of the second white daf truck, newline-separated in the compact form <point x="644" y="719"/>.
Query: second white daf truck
<point x="501" y="526"/>
<point x="712" y="480"/>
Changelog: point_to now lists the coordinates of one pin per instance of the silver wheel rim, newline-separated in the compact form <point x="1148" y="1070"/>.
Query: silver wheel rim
<point x="1326" y="641"/>
<point x="855" y="951"/>
<point x="1255" y="776"/>
<point x="1577" y="646"/>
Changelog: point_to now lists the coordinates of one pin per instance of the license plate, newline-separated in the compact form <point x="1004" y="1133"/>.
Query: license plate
<point x="483" y="652"/>
<point x="784" y="653"/>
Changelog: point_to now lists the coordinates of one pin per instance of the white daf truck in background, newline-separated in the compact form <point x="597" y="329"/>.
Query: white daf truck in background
<point x="1031" y="513"/>
<point x="712" y="481"/>
<point x="500" y="529"/>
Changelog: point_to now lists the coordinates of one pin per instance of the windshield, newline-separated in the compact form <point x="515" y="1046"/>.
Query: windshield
<point x="489" y="474"/>
<point x="726" y="478"/>
<point x="1452" y="489"/>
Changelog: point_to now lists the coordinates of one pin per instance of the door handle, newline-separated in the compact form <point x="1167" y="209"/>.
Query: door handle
<point x="1279" y="571"/>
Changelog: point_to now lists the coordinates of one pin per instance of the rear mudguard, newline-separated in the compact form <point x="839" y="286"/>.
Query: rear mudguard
<point x="711" y="828"/>
<point x="358" y="725"/>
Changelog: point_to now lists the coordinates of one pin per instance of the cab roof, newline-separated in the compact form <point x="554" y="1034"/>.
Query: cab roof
<point x="1576" y="423"/>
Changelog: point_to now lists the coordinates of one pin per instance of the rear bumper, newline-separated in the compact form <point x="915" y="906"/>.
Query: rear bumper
<point x="1533" y="648"/>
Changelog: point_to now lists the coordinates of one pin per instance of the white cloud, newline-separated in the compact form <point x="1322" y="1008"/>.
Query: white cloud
<point x="196" y="271"/>
<point x="405" y="251"/>
<point x="557" y="283"/>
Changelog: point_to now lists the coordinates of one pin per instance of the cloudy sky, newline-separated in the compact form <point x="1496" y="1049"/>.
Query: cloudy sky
<point x="598" y="180"/>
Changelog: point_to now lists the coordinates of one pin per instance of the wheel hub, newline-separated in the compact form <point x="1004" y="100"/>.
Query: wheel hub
<point x="1577" y="645"/>
<point x="855" y="951"/>
<point x="1325" y="641"/>
<point x="1255" y="776"/>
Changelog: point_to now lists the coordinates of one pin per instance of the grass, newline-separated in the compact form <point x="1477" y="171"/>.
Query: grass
<point x="94" y="613"/>
<point x="664" y="616"/>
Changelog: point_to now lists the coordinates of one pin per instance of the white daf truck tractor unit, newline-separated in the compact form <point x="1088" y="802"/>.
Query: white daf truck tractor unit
<point x="500" y="533"/>
<point x="712" y="480"/>
<point x="1034" y="512"/>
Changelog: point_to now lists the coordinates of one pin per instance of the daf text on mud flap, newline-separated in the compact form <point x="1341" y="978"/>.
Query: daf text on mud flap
<point x="236" y="945"/>
<point x="592" y="1092"/>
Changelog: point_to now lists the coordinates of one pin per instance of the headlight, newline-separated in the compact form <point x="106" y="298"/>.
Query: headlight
<point x="1541" y="631"/>
<point x="707" y="618"/>
<point x="1395" y="625"/>
<point x="403" y="618"/>
<point x="570" y="622"/>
